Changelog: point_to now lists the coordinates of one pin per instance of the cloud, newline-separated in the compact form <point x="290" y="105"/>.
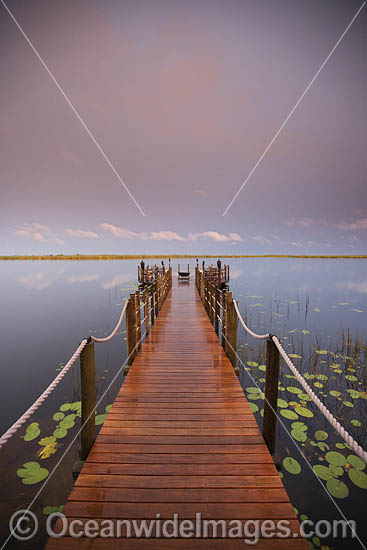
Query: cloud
<point x="118" y="280"/>
<point x="200" y="193"/>
<point x="360" y="286"/>
<point x="121" y="232"/>
<point x="303" y="222"/>
<point x="39" y="280"/>
<point x="82" y="234"/>
<point x="37" y="232"/>
<point x="83" y="278"/>
<point x="215" y="236"/>
<point x="262" y="240"/>
<point x="166" y="236"/>
<point x="357" y="225"/>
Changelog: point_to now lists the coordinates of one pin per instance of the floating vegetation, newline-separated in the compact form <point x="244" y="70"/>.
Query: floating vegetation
<point x="292" y="465"/>
<point x="31" y="473"/>
<point x="32" y="431"/>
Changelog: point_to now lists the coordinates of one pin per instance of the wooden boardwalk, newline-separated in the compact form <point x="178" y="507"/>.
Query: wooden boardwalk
<point x="180" y="438"/>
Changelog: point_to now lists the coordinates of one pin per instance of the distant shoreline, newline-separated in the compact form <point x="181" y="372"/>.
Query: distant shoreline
<point x="85" y="257"/>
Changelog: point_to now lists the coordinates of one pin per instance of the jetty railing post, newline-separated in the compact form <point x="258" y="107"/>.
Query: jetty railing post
<point x="155" y="289"/>
<point x="170" y="276"/>
<point x="227" y="297"/>
<point x="217" y="309"/>
<point x="152" y="306"/>
<point x="212" y="303"/>
<point x="88" y="399"/>
<point x="232" y="331"/>
<point x="131" y="329"/>
<point x="138" y="319"/>
<point x="146" y="310"/>
<point x="271" y="395"/>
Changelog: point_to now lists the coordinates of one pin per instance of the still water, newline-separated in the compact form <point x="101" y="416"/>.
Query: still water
<point x="318" y="308"/>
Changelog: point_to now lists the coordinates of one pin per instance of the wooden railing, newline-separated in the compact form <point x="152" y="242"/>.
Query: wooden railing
<point x="142" y="309"/>
<point x="221" y="311"/>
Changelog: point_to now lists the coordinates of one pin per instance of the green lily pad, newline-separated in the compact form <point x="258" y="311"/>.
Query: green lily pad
<point x="323" y="446"/>
<point x="291" y="415"/>
<point x="282" y="403"/>
<point x="294" y="355"/>
<point x="348" y="404"/>
<point x="320" y="435"/>
<point x="100" y="418"/>
<point x="335" y="393"/>
<point x="323" y="472"/>
<point x="31" y="472"/>
<point x="322" y="377"/>
<point x="32" y="431"/>
<point x="303" y="411"/>
<point x="299" y="426"/>
<point x="65" y="407"/>
<point x="358" y="477"/>
<point x="262" y="367"/>
<point x="318" y="385"/>
<point x="253" y="407"/>
<point x="59" y="433"/>
<point x="252" y="389"/>
<point x="333" y="457"/>
<point x="299" y="435"/>
<point x="293" y="389"/>
<point x="68" y="422"/>
<point x="252" y="364"/>
<point x="351" y="377"/>
<point x="337" y="488"/>
<point x="58" y="416"/>
<point x="356" y="462"/>
<point x="292" y="465"/>
<point x="304" y="397"/>
<point x="108" y="408"/>
<point x="304" y="331"/>
<point x="336" y="470"/>
<point x="321" y="351"/>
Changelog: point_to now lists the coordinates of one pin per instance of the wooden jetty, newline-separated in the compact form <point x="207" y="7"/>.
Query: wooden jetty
<point x="181" y="439"/>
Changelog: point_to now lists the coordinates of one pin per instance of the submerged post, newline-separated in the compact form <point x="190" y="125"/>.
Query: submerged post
<point x="88" y="399"/>
<point x="271" y="395"/>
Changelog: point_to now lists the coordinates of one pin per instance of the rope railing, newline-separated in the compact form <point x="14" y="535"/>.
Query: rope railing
<point x="85" y="351"/>
<point x="231" y="315"/>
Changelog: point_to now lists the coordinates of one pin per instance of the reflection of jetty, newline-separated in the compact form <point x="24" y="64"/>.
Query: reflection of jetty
<point x="180" y="437"/>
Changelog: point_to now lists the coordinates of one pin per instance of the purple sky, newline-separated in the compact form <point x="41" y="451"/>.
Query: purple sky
<point x="183" y="97"/>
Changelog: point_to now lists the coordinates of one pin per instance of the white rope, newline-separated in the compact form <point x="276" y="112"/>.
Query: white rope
<point x="114" y="330"/>
<point x="249" y="331"/>
<point x="319" y="404"/>
<point x="32" y="409"/>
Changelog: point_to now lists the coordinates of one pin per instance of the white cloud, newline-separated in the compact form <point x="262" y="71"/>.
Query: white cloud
<point x="303" y="222"/>
<point x="82" y="234"/>
<point x="215" y="236"/>
<point x="357" y="225"/>
<point x="83" y="278"/>
<point x="39" y="280"/>
<point x="200" y="193"/>
<point x="166" y="236"/>
<point x="37" y="232"/>
<point x="262" y="240"/>
<point x="360" y="286"/>
<point x="121" y="232"/>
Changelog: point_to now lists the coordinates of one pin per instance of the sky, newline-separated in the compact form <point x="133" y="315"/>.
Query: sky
<point x="183" y="97"/>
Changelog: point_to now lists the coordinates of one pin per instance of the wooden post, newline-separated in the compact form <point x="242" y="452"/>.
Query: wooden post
<point x="228" y="298"/>
<point x="212" y="302"/>
<point x="216" y="309"/>
<point x="88" y="398"/>
<point x="271" y="395"/>
<point x="152" y="308"/>
<point x="170" y="276"/>
<point x="130" y="329"/>
<point x="146" y="310"/>
<point x="138" y="320"/>
<point x="156" y="309"/>
<point x="232" y="333"/>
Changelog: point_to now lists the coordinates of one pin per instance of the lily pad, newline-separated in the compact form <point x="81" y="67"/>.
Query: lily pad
<point x="252" y="389"/>
<point x="323" y="472"/>
<point x="299" y="426"/>
<point x="58" y="416"/>
<point x="337" y="488"/>
<point x="59" y="433"/>
<point x="282" y="403"/>
<point x="291" y="415"/>
<point x="262" y="367"/>
<point x="299" y="435"/>
<point x="31" y="472"/>
<point x="303" y="411"/>
<point x="293" y="389"/>
<point x="252" y="364"/>
<point x="321" y="435"/>
<point x="100" y="418"/>
<point x="294" y="355"/>
<point x="358" y="477"/>
<point x="348" y="404"/>
<point x="47" y="451"/>
<point x="335" y="393"/>
<point x="334" y="457"/>
<point x="292" y="465"/>
<point x="32" y="431"/>
<point x="356" y="462"/>
<point x="47" y="440"/>
<point x="52" y="509"/>
<point x="253" y="407"/>
<point x="356" y="423"/>
<point x="336" y="470"/>
<point x="65" y="407"/>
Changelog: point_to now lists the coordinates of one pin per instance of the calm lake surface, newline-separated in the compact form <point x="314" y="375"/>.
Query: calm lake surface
<point x="318" y="308"/>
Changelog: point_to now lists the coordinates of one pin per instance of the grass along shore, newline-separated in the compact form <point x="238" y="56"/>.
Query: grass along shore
<point x="85" y="257"/>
